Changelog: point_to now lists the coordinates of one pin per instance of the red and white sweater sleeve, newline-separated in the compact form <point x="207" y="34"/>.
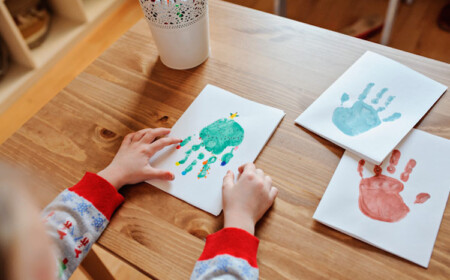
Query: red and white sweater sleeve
<point x="76" y="218"/>
<point x="228" y="254"/>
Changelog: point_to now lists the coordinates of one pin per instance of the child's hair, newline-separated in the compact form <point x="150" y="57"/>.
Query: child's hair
<point x="11" y="218"/>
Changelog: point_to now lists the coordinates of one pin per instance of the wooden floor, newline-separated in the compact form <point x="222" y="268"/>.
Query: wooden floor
<point x="414" y="31"/>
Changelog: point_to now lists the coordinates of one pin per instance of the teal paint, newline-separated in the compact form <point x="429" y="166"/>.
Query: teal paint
<point x="215" y="138"/>
<point x="206" y="166"/>
<point x="221" y="134"/>
<point x="366" y="91"/>
<point x="379" y="96"/>
<point x="189" y="167"/>
<point x="361" y="117"/>
<point x="185" y="141"/>
<point x="227" y="157"/>
<point x="188" y="153"/>
<point x="197" y="147"/>
<point x="344" y="98"/>
<point x="392" y="117"/>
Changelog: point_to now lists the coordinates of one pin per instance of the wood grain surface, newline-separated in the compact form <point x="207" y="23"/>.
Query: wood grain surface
<point x="268" y="59"/>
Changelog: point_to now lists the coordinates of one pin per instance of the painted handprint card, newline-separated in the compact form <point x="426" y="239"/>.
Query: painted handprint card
<point x="396" y="206"/>
<point x="372" y="106"/>
<point x="220" y="132"/>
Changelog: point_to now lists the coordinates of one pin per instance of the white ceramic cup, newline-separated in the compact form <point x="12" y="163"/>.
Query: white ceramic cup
<point x="182" y="42"/>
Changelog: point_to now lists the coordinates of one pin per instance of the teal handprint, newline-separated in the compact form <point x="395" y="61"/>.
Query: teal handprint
<point x="215" y="139"/>
<point x="362" y="117"/>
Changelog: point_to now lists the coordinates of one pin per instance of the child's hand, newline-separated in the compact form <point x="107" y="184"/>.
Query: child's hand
<point x="131" y="163"/>
<point x="246" y="201"/>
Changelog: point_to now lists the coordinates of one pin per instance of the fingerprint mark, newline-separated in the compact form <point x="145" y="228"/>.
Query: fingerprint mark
<point x="393" y="161"/>
<point x="377" y="169"/>
<point x="408" y="169"/>
<point x="422" y="197"/>
<point x="360" y="167"/>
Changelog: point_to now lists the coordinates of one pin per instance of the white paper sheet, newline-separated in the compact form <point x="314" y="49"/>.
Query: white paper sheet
<point x="376" y="209"/>
<point x="244" y="124"/>
<point x="372" y="106"/>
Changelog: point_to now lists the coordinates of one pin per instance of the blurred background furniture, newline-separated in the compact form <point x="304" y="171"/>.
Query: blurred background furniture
<point x="71" y="20"/>
<point x="280" y="8"/>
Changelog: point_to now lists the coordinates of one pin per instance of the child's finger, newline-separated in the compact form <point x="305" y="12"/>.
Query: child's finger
<point x="128" y="138"/>
<point x="160" y="174"/>
<point x="273" y="194"/>
<point x="140" y="133"/>
<point x="161" y="143"/>
<point x="151" y="133"/>
<point x="267" y="183"/>
<point x="259" y="172"/>
<point x="247" y="167"/>
<point x="228" y="180"/>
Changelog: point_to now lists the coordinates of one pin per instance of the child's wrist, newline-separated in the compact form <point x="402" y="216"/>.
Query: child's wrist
<point x="235" y="219"/>
<point x="113" y="177"/>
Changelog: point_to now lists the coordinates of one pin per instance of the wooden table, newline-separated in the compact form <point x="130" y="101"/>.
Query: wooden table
<point x="272" y="60"/>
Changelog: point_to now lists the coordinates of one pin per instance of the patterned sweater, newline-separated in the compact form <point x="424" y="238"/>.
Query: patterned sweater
<point x="78" y="216"/>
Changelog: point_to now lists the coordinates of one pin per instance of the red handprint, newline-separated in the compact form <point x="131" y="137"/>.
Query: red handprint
<point x="379" y="196"/>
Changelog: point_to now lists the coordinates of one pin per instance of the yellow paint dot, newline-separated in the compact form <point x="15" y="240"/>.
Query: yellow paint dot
<point x="177" y="163"/>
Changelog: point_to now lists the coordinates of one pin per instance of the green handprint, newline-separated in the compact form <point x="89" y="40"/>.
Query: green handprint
<point x="215" y="138"/>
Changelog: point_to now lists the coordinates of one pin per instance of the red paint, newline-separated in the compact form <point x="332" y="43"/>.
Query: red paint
<point x="408" y="169"/>
<point x="393" y="161"/>
<point x="178" y="147"/>
<point x="377" y="169"/>
<point x="422" y="197"/>
<point x="379" y="196"/>
<point x="360" y="167"/>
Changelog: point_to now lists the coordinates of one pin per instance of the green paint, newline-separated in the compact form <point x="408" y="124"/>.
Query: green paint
<point x="185" y="141"/>
<point x="189" y="167"/>
<point x="221" y="134"/>
<point x="206" y="167"/>
<point x="188" y="153"/>
<point x="227" y="157"/>
<point x="197" y="147"/>
<point x="215" y="138"/>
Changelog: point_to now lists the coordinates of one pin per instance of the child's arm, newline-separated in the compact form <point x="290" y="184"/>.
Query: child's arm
<point x="231" y="252"/>
<point x="78" y="216"/>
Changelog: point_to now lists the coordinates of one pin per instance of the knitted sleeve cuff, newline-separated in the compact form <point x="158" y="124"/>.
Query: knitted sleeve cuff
<point x="99" y="192"/>
<point x="231" y="241"/>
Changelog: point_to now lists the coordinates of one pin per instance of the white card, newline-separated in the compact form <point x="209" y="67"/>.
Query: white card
<point x="400" y="209"/>
<point x="233" y="131"/>
<point x="372" y="106"/>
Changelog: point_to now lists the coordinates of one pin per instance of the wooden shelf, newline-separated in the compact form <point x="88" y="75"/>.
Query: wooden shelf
<point x="71" y="21"/>
<point x="93" y="8"/>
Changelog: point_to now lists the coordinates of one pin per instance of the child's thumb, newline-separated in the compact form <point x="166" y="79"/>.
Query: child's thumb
<point x="228" y="180"/>
<point x="160" y="174"/>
